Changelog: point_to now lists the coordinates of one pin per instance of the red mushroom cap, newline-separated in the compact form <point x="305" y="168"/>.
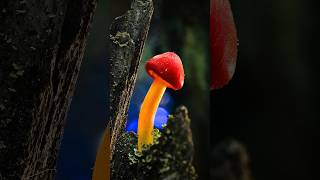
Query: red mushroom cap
<point x="223" y="43"/>
<point x="168" y="68"/>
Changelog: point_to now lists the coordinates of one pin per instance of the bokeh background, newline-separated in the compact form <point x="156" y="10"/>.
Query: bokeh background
<point x="182" y="28"/>
<point x="272" y="105"/>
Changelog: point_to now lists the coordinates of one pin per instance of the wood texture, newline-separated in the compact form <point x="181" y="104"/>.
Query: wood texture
<point x="41" y="48"/>
<point x="170" y="157"/>
<point x="127" y="37"/>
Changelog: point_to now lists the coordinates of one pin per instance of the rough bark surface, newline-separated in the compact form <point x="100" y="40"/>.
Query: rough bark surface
<point x="169" y="158"/>
<point x="127" y="35"/>
<point x="41" y="48"/>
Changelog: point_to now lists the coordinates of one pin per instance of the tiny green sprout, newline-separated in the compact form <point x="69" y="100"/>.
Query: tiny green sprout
<point x="156" y="136"/>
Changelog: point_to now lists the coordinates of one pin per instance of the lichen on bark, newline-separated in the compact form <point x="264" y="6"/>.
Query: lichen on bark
<point x="126" y="40"/>
<point x="170" y="157"/>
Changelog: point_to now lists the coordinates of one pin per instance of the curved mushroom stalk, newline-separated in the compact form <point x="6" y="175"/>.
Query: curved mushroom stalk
<point x="167" y="71"/>
<point x="148" y="112"/>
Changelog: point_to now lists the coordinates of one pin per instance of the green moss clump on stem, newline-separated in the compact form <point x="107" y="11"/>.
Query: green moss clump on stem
<point x="170" y="157"/>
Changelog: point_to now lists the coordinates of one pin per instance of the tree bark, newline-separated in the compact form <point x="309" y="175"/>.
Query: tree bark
<point x="170" y="157"/>
<point x="41" y="48"/>
<point x="127" y="36"/>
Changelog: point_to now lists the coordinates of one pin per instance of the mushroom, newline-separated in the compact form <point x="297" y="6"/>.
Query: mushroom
<point x="167" y="71"/>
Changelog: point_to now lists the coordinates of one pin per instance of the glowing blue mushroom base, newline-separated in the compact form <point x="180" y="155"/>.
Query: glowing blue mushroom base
<point x="160" y="119"/>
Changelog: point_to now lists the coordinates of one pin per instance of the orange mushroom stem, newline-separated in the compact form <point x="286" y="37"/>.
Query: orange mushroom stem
<point x="148" y="111"/>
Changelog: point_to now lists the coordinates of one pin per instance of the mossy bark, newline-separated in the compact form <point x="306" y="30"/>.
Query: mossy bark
<point x="170" y="157"/>
<point x="127" y="37"/>
<point x="41" y="48"/>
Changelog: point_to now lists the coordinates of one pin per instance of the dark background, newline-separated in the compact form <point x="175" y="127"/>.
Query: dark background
<point x="272" y="104"/>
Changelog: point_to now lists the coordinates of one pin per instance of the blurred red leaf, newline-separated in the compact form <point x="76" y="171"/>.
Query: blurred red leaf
<point x="223" y="41"/>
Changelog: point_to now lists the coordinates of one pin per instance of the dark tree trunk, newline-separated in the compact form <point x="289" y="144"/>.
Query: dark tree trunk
<point x="127" y="37"/>
<point x="41" y="48"/>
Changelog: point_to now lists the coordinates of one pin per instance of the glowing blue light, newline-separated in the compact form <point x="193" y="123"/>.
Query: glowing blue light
<point x="160" y="119"/>
<point x="132" y="125"/>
